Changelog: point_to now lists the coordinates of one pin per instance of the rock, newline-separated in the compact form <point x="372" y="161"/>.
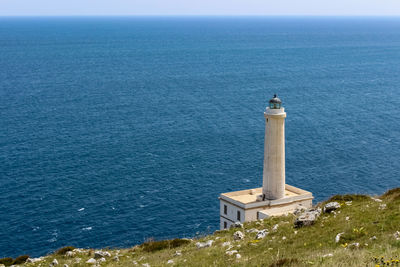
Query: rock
<point x="78" y="260"/>
<point x="204" y="244"/>
<point x="376" y="199"/>
<point x="65" y="265"/>
<point x="382" y="206"/>
<point x="354" y="245"/>
<point x="146" y="265"/>
<point x="261" y="234"/>
<point x="170" y="262"/>
<point x="238" y="256"/>
<point x="102" y="259"/>
<point x="54" y="262"/>
<point x="70" y="254"/>
<point x="373" y="238"/>
<point x="397" y="235"/>
<point x="237" y="225"/>
<point x="226" y="244"/>
<point x="178" y="253"/>
<point x="134" y="262"/>
<point x="91" y="261"/>
<point x="33" y="260"/>
<point x="252" y="230"/>
<point x="331" y="206"/>
<point x="348" y="203"/>
<point x="283" y="237"/>
<point x="307" y="218"/>
<point x="101" y="254"/>
<point x="327" y="255"/>
<point x="337" y="238"/>
<point x="238" y="235"/>
<point x="347" y="218"/>
<point x="116" y="258"/>
<point x="231" y="252"/>
<point x="275" y="228"/>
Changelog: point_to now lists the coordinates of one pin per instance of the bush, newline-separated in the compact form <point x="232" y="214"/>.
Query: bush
<point x="153" y="246"/>
<point x="285" y="262"/>
<point x="7" y="261"/>
<point x="348" y="197"/>
<point x="21" y="259"/>
<point x="64" y="250"/>
<point x="392" y="194"/>
<point x="178" y="242"/>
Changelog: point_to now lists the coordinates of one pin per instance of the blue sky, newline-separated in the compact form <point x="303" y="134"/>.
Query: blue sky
<point x="200" y="7"/>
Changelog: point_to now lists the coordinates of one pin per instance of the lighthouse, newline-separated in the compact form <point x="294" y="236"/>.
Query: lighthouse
<point x="275" y="197"/>
<point x="274" y="150"/>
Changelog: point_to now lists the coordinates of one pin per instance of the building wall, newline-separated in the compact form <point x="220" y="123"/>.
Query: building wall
<point x="231" y="215"/>
<point x="252" y="214"/>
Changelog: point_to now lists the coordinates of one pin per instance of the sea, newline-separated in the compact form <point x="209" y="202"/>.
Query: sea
<point x="117" y="130"/>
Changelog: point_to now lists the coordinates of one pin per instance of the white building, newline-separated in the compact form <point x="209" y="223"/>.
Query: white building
<point x="275" y="197"/>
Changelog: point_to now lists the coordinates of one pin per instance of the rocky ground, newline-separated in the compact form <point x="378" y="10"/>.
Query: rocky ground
<point x="349" y="230"/>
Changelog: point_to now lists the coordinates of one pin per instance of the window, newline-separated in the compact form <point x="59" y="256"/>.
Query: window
<point x="238" y="216"/>
<point x="225" y="225"/>
<point x="225" y="209"/>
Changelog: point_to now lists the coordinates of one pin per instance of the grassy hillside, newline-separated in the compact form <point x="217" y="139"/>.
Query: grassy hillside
<point x="368" y="238"/>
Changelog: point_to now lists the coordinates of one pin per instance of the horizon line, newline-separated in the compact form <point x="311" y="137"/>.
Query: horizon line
<point x="205" y="15"/>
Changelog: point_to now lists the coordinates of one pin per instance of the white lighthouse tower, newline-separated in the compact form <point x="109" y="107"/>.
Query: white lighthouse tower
<point x="274" y="150"/>
<point x="275" y="197"/>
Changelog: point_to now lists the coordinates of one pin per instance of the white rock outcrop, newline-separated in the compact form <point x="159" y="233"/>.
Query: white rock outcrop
<point x="204" y="244"/>
<point x="91" y="261"/>
<point x="238" y="235"/>
<point x="261" y="234"/>
<point x="331" y="206"/>
<point x="231" y="252"/>
<point x="337" y="238"/>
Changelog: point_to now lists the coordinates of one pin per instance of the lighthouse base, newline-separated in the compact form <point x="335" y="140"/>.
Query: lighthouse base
<point x="247" y="205"/>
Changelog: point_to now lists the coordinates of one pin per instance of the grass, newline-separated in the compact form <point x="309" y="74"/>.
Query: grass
<point x="359" y="221"/>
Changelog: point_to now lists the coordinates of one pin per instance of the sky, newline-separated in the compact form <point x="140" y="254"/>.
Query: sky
<point x="200" y="7"/>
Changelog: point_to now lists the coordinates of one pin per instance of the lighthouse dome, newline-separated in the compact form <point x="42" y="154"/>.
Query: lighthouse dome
<point x="275" y="103"/>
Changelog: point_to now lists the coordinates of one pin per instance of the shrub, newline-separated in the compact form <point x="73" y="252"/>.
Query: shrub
<point x="152" y="246"/>
<point x="64" y="250"/>
<point x="348" y="197"/>
<point x="155" y="245"/>
<point x="392" y="194"/>
<point x="6" y="261"/>
<point x="285" y="262"/>
<point x="21" y="259"/>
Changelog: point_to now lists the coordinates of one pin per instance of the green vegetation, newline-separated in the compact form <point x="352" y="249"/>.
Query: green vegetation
<point x="21" y="259"/>
<point x="153" y="246"/>
<point x="368" y="228"/>
<point x="6" y="261"/>
<point x="10" y="261"/>
<point x="64" y="250"/>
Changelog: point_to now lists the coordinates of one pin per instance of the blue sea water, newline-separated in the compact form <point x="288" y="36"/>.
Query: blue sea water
<point x="115" y="130"/>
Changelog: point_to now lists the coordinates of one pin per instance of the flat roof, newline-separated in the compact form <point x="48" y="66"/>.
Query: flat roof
<point x="249" y="196"/>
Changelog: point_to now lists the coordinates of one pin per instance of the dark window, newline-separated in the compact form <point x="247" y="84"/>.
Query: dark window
<point x="225" y="225"/>
<point x="225" y="209"/>
<point x="238" y="216"/>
